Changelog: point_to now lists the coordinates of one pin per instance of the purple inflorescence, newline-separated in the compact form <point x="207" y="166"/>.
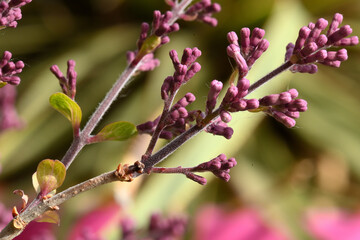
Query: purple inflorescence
<point x="68" y="83"/>
<point x="284" y="107"/>
<point x="147" y="43"/>
<point x="159" y="228"/>
<point x="184" y="70"/>
<point x="176" y="121"/>
<point x="233" y="101"/>
<point x="250" y="48"/>
<point x="219" y="166"/>
<point x="10" y="12"/>
<point x="311" y="45"/>
<point x="202" y="11"/>
<point x="9" y="69"/>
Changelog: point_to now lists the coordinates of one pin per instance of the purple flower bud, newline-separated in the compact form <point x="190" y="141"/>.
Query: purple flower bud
<point x="149" y="63"/>
<point x="195" y="68"/>
<point x="284" y="119"/>
<point x="9" y="69"/>
<point x="321" y="40"/>
<point x="292" y="114"/>
<point x="215" y="88"/>
<point x="309" y="49"/>
<point x="297" y="105"/>
<point x="174" y="58"/>
<point x="318" y="56"/>
<point x="289" y="51"/>
<point x="262" y="47"/>
<point x="303" y="35"/>
<point x="351" y="41"/>
<point x="225" y="116"/>
<point x="341" y="33"/>
<point x="308" y="68"/>
<point x="5" y="59"/>
<point x="196" y="178"/>
<point x="331" y="63"/>
<point x="294" y="93"/>
<point x="232" y="37"/>
<point x="336" y="21"/>
<point x="256" y="36"/>
<point x="10" y="12"/>
<point x="202" y="11"/>
<point x="166" y="87"/>
<point x="231" y="93"/>
<point x="166" y="135"/>
<point x="233" y="51"/>
<point x="252" y="104"/>
<point x="146" y="127"/>
<point x="239" y="105"/>
<point x="143" y="34"/>
<point x="340" y="55"/>
<point x="320" y="25"/>
<point x="221" y="129"/>
<point x="269" y="100"/>
<point x="243" y="85"/>
<point x="245" y="40"/>
<point x="68" y="83"/>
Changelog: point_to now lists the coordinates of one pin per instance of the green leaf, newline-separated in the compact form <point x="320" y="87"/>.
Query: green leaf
<point x="117" y="131"/>
<point x="67" y="107"/>
<point x="50" y="175"/>
<point x="2" y="84"/>
<point x="35" y="183"/>
<point x="49" y="217"/>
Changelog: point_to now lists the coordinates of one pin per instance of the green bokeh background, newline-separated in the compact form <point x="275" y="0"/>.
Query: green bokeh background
<point x="281" y="172"/>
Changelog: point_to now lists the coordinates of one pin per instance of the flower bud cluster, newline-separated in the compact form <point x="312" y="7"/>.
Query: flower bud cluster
<point x="68" y="83"/>
<point x="250" y="48"/>
<point x="219" y="166"/>
<point x="176" y="122"/>
<point x="184" y="71"/>
<point x="146" y="44"/>
<point x="311" y="45"/>
<point x="233" y="101"/>
<point x="10" y="12"/>
<point x="159" y="228"/>
<point x="284" y="107"/>
<point x="202" y="11"/>
<point x="9" y="69"/>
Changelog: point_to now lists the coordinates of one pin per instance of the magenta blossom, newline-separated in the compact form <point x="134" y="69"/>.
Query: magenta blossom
<point x="213" y="223"/>
<point x="333" y="225"/>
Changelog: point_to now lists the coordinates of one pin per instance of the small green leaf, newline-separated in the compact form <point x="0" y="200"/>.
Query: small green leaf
<point x="67" y="107"/>
<point x="2" y="84"/>
<point x="50" y="175"/>
<point x="49" y="217"/>
<point x="117" y="131"/>
<point x="35" y="183"/>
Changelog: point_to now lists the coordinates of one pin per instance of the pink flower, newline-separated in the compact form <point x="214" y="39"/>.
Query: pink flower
<point x="94" y="224"/>
<point x="213" y="223"/>
<point x="334" y="225"/>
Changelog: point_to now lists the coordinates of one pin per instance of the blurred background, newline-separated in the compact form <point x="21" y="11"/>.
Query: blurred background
<point x="283" y="175"/>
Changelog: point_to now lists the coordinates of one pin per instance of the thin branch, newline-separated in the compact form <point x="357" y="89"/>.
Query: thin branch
<point x="269" y="76"/>
<point x="9" y="232"/>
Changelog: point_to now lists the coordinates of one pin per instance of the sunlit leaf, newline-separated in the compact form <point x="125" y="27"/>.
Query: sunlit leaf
<point x="50" y="217"/>
<point x="2" y="84"/>
<point x="50" y="175"/>
<point x="67" y="107"/>
<point x="117" y="131"/>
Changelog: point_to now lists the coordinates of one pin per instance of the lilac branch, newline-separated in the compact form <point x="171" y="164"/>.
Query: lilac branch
<point x="285" y="66"/>
<point x="31" y="213"/>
